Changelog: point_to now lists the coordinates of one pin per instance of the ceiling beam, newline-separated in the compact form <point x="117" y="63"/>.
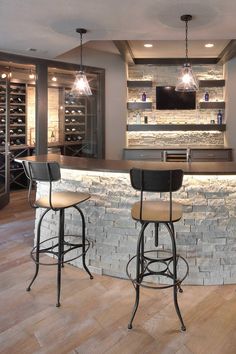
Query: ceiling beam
<point x="125" y="51"/>
<point x="174" y="61"/>
<point x="229" y="52"/>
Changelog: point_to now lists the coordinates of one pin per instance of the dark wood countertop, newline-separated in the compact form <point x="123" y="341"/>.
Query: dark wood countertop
<point x="174" y="147"/>
<point x="193" y="168"/>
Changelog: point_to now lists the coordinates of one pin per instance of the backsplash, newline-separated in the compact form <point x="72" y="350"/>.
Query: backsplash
<point x="167" y="75"/>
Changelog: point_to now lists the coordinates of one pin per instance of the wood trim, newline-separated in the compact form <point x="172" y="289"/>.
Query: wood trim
<point x="139" y="83"/>
<point x="213" y="105"/>
<point x="211" y="83"/>
<point x="139" y="105"/>
<point x="228" y="53"/>
<point x="176" y="127"/>
<point x="174" y="61"/>
<point x="125" y="51"/>
<point x="21" y="59"/>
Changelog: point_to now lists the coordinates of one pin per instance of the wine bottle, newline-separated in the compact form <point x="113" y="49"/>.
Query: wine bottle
<point x="219" y="117"/>
<point x="144" y="97"/>
<point x="206" y="96"/>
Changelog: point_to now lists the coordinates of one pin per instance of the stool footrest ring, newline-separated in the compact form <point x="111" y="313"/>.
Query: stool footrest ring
<point x="166" y="272"/>
<point x="52" y="249"/>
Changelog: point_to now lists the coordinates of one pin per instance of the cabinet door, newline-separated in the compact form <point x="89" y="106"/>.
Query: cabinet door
<point x="211" y="155"/>
<point x="143" y="155"/>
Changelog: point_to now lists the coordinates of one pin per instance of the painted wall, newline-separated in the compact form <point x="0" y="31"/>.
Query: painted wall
<point x="230" y="97"/>
<point x="115" y="96"/>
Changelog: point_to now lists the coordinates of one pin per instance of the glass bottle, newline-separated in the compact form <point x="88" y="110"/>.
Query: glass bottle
<point x="144" y="97"/>
<point x="206" y="96"/>
<point x="219" y="117"/>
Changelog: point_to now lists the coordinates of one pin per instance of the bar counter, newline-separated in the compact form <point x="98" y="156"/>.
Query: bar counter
<point x="205" y="236"/>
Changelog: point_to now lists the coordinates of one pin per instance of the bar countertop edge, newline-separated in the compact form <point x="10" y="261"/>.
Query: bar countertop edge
<point x="124" y="166"/>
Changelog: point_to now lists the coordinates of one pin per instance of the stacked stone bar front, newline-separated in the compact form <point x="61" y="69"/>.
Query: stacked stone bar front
<point x="206" y="235"/>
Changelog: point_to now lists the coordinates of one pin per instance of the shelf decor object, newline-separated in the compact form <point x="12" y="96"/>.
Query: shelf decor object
<point x="81" y="86"/>
<point x="187" y="81"/>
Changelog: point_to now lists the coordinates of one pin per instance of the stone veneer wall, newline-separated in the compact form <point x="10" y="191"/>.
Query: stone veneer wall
<point x="167" y="75"/>
<point x="206" y="235"/>
<point x="53" y="115"/>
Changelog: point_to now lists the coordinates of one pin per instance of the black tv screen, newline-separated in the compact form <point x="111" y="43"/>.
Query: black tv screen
<point x="168" y="98"/>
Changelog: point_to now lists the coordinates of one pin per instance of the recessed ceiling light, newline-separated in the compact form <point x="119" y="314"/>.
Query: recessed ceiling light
<point x="148" y="45"/>
<point x="209" y="45"/>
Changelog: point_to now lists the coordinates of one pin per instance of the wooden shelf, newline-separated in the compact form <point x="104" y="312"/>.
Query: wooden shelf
<point x="212" y="105"/>
<point x="139" y="83"/>
<point x="139" y="105"/>
<point x="175" y="127"/>
<point x="211" y="83"/>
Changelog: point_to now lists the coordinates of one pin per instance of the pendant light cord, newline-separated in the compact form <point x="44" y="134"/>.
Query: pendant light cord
<point x="186" y="41"/>
<point x="81" y="56"/>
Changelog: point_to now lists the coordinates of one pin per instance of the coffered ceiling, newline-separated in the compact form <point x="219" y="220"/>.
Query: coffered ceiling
<point x="46" y="29"/>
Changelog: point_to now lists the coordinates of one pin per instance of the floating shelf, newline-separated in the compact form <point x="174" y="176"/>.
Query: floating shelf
<point x="175" y="127"/>
<point x="212" y="105"/>
<point x="211" y="83"/>
<point x="139" y="83"/>
<point x="139" y="105"/>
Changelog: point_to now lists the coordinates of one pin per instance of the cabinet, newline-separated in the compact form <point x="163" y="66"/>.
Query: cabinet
<point x="195" y="154"/>
<point x="211" y="155"/>
<point x="142" y="154"/>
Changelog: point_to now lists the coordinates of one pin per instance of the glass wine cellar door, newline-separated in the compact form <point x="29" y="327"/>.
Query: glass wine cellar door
<point x="4" y="144"/>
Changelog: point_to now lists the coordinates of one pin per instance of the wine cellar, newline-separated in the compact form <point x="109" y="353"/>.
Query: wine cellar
<point x="71" y="126"/>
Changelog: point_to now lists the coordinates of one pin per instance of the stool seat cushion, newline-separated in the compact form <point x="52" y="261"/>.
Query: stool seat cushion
<point x="62" y="199"/>
<point x="157" y="211"/>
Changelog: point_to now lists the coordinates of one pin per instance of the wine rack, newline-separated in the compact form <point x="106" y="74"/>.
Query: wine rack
<point x="74" y="123"/>
<point x="18" y="129"/>
<point x="2" y="112"/>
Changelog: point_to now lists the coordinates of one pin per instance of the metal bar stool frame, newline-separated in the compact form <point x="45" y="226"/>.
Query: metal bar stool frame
<point x="156" y="181"/>
<point x="50" y="172"/>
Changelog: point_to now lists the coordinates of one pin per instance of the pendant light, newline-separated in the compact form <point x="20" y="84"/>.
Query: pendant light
<point x="81" y="86"/>
<point x="187" y="82"/>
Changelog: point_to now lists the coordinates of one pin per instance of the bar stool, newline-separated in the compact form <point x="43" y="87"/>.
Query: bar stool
<point x="157" y="212"/>
<point x="58" y="202"/>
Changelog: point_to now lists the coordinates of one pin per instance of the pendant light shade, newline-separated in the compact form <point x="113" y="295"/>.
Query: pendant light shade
<point x="187" y="81"/>
<point x="81" y="86"/>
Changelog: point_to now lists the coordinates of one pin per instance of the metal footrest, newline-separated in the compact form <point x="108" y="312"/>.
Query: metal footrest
<point x="53" y="249"/>
<point x="164" y="261"/>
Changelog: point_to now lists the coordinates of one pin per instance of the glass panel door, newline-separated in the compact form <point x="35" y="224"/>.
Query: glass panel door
<point x="4" y="144"/>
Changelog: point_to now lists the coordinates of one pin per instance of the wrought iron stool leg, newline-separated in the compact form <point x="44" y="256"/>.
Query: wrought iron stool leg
<point x="139" y="270"/>
<point x="60" y="254"/>
<point x="175" y="287"/>
<point x="37" y="250"/>
<point x="83" y="242"/>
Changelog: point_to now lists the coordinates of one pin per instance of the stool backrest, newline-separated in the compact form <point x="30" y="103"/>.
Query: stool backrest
<point x="156" y="180"/>
<point x="42" y="172"/>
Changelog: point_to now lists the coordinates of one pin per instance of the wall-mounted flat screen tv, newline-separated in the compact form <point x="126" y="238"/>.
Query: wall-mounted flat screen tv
<point x="168" y="98"/>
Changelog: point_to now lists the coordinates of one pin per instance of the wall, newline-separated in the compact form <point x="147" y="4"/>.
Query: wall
<point x="53" y="115"/>
<point x="230" y="76"/>
<point x="167" y="76"/>
<point x="115" y="95"/>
